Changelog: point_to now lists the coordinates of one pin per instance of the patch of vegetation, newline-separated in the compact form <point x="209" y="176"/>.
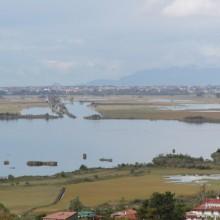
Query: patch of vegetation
<point x="216" y="157"/>
<point x="5" y="213"/>
<point x="76" y="205"/>
<point x="162" y="206"/>
<point x="181" y="161"/>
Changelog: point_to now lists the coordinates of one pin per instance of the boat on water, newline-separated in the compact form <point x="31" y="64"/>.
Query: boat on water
<point x="106" y="160"/>
<point x="42" y="163"/>
<point x="6" y="162"/>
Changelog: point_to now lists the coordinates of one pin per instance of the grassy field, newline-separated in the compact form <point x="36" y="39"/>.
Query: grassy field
<point x="149" y="108"/>
<point x="21" y="198"/>
<point x="95" y="187"/>
<point x="129" y="188"/>
<point x="17" y="104"/>
<point x="149" y="113"/>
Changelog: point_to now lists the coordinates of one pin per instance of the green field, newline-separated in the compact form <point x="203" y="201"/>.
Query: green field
<point x="95" y="187"/>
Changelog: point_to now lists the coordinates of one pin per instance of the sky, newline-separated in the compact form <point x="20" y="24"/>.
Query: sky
<point x="76" y="41"/>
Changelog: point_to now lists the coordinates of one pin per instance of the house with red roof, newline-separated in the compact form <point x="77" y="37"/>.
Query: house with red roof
<point x="209" y="209"/>
<point x="61" y="216"/>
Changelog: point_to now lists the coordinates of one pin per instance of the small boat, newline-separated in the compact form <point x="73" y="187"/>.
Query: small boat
<point x="42" y="163"/>
<point x="6" y="162"/>
<point x="105" y="160"/>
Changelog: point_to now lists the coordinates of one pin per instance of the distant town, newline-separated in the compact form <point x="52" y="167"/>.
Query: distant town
<point x="111" y="90"/>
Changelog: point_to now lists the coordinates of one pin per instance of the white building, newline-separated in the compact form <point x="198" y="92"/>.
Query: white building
<point x="209" y="209"/>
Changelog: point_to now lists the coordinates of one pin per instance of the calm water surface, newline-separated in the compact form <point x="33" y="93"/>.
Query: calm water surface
<point x="125" y="141"/>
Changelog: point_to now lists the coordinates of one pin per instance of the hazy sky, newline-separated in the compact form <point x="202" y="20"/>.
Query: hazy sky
<point x="75" y="41"/>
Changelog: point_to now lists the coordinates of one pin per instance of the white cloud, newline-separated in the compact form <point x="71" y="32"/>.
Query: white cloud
<point x="60" y="65"/>
<point x="192" y="7"/>
<point x="152" y="6"/>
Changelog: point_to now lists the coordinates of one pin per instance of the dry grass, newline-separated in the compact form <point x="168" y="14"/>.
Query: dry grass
<point x="129" y="187"/>
<point x="19" y="199"/>
<point x="146" y="108"/>
<point x="148" y="112"/>
<point x="17" y="104"/>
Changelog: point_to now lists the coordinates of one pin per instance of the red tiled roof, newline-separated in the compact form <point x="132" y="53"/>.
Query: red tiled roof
<point x="60" y="215"/>
<point x="215" y="201"/>
<point x="203" y="207"/>
<point x="209" y="205"/>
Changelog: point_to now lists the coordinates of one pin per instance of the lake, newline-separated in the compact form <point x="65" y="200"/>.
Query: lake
<point x="125" y="141"/>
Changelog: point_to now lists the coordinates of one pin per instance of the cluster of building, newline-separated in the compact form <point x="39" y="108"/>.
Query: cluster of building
<point x="208" y="209"/>
<point x="128" y="214"/>
<point x="57" y="89"/>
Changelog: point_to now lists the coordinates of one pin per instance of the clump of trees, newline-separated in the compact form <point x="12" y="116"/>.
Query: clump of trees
<point x="76" y="205"/>
<point x="162" y="206"/>
<point x="180" y="161"/>
<point x="216" y="156"/>
<point x="83" y="168"/>
<point x="105" y="210"/>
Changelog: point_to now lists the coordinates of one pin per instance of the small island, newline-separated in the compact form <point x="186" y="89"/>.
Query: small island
<point x="93" y="117"/>
<point x="42" y="163"/>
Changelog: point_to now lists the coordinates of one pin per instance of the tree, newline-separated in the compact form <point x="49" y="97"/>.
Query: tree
<point x="83" y="167"/>
<point x="216" y="156"/>
<point x="143" y="210"/>
<point x="105" y="210"/>
<point x="162" y="206"/>
<point x="76" y="205"/>
<point x="11" y="177"/>
<point x="122" y="204"/>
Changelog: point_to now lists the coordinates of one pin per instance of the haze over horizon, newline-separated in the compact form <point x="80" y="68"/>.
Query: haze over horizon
<point x="76" y="42"/>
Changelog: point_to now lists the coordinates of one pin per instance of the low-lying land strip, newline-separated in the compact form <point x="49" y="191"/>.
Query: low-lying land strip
<point x="15" y="116"/>
<point x="17" y="104"/>
<point x="11" y="108"/>
<point x="124" y="107"/>
<point x="154" y="108"/>
<point x="149" y="113"/>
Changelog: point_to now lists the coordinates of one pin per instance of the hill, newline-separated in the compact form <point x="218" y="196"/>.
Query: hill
<point x="169" y="76"/>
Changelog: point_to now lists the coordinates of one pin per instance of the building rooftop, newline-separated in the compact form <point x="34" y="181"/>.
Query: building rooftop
<point x="209" y="205"/>
<point x="60" y="215"/>
<point x="86" y="214"/>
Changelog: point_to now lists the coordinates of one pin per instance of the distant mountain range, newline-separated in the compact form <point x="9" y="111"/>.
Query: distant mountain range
<point x="170" y="76"/>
